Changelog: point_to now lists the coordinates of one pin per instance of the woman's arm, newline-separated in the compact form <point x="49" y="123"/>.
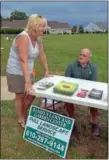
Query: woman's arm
<point x="22" y="44"/>
<point x="43" y="58"/>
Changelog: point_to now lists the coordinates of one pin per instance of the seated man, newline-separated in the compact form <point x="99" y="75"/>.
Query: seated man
<point x="83" y="69"/>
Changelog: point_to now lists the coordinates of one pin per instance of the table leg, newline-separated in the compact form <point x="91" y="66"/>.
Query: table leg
<point x="45" y="102"/>
<point x="53" y="102"/>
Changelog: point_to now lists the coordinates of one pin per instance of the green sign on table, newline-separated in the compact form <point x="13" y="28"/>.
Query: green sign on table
<point x="48" y="130"/>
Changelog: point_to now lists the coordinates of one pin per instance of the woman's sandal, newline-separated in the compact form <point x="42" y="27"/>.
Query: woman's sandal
<point x="22" y="124"/>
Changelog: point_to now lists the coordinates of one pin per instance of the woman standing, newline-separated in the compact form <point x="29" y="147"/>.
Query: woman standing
<point x="26" y="47"/>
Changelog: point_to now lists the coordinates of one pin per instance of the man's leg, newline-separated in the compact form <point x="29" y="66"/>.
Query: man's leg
<point x="70" y="109"/>
<point x="93" y="120"/>
<point x="94" y="114"/>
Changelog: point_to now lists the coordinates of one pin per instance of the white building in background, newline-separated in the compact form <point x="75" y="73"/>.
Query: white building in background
<point x="55" y="27"/>
<point x="96" y="27"/>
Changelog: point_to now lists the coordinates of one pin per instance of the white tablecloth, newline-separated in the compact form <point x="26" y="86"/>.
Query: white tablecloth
<point x="83" y="84"/>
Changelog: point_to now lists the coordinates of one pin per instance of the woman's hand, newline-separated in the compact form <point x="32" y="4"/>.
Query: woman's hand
<point x="28" y="87"/>
<point x="47" y="74"/>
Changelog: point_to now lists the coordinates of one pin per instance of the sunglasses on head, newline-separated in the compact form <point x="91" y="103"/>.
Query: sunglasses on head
<point x="39" y="16"/>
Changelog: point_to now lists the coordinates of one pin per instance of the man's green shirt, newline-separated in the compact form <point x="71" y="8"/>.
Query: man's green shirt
<point x="75" y="70"/>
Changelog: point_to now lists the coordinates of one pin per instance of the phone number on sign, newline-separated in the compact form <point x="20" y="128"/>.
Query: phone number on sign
<point x="44" y="140"/>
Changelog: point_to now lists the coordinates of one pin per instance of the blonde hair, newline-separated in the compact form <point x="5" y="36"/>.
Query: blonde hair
<point x="33" y="23"/>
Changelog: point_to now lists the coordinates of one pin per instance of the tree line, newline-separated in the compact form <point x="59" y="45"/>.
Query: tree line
<point x="15" y="15"/>
<point x="19" y="15"/>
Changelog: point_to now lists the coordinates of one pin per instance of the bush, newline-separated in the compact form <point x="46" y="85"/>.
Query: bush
<point x="10" y="31"/>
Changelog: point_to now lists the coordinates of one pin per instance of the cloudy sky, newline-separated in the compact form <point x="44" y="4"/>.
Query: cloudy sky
<point x="75" y="13"/>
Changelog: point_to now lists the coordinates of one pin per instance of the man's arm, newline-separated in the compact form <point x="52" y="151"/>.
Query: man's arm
<point x="94" y="76"/>
<point x="68" y="72"/>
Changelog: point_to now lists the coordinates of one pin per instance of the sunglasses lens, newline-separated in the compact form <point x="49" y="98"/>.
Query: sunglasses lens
<point x="39" y="16"/>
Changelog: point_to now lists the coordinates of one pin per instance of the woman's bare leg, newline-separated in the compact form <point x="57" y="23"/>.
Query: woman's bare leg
<point x="19" y="100"/>
<point x="28" y="99"/>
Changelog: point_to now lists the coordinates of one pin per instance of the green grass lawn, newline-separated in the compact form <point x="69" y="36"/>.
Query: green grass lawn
<point x="60" y="50"/>
<point x="83" y="144"/>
